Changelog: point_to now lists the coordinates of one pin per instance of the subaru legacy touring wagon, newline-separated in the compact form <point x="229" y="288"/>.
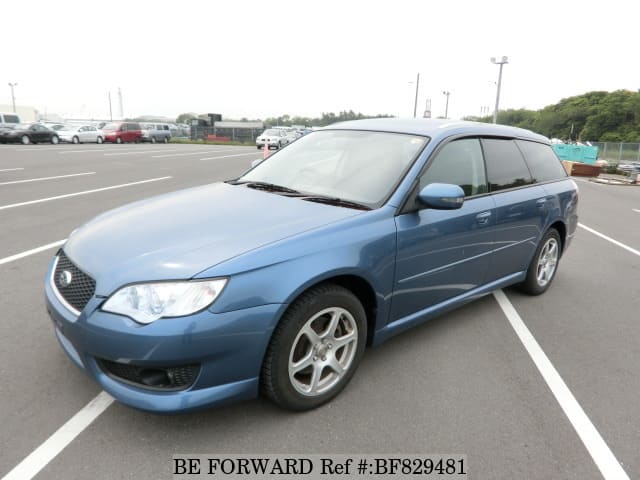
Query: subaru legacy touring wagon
<point x="275" y="282"/>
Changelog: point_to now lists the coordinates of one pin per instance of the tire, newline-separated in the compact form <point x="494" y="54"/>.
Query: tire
<point x="119" y="140"/>
<point x="259" y="147"/>
<point x="166" y="140"/>
<point x="153" y="139"/>
<point x="75" y="140"/>
<point x="544" y="265"/>
<point x="99" y="140"/>
<point x="24" y="139"/>
<point x="315" y="349"/>
<point x="55" y="140"/>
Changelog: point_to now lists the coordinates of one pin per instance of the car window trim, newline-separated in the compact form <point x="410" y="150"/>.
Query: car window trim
<point x="408" y="205"/>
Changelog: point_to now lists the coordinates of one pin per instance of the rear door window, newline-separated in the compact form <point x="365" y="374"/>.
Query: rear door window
<point x="506" y="167"/>
<point x="543" y="163"/>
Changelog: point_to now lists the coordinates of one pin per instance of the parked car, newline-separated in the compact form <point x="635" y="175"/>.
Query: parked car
<point x="155" y="132"/>
<point x="26" y="133"/>
<point x="273" y="137"/>
<point x="122" y="132"/>
<point x="81" y="134"/>
<point x="8" y="120"/>
<point x="351" y="235"/>
<point x="629" y="166"/>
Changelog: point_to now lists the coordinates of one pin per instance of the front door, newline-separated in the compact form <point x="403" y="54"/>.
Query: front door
<point x="445" y="253"/>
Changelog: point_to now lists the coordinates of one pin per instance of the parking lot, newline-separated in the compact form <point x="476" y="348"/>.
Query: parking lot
<point x="557" y="399"/>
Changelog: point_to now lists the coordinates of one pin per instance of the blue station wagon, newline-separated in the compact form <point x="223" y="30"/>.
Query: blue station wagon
<point x="276" y="281"/>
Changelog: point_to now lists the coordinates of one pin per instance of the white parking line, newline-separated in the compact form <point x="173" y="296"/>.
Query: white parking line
<point x="227" y="156"/>
<point x="47" y="451"/>
<point x="36" y="149"/>
<point x="609" y="239"/>
<point x="33" y="251"/>
<point x="40" y="200"/>
<point x="138" y="152"/>
<point x="47" y="178"/>
<point x="10" y="169"/>
<point x="85" y="151"/>
<point x="192" y="153"/>
<point x="603" y="457"/>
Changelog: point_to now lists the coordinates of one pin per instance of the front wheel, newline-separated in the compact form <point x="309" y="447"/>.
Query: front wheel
<point x="315" y="349"/>
<point x="119" y="140"/>
<point x="544" y="264"/>
<point x="99" y="140"/>
<point x="153" y="139"/>
<point x="166" y="139"/>
<point x="24" y="140"/>
<point x="75" y="140"/>
<point x="55" y="140"/>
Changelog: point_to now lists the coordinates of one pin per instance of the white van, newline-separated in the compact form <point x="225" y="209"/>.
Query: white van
<point x="8" y="119"/>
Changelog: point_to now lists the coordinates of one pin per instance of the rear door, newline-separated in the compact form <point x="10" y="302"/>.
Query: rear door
<point x="521" y="207"/>
<point x="445" y="253"/>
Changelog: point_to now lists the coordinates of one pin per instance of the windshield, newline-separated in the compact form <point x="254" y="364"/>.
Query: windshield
<point x="271" y="131"/>
<point x="359" y="166"/>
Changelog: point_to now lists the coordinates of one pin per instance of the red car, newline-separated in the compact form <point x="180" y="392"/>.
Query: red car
<point x="122" y="132"/>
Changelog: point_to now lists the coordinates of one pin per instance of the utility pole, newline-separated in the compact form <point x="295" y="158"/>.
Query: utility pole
<point x="120" y="100"/>
<point x="110" y="110"/>
<point x="13" y="98"/>
<point x="415" y="103"/>
<point x="501" y="63"/>
<point x="446" y="108"/>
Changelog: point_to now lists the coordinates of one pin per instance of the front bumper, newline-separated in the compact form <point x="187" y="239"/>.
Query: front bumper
<point x="228" y="348"/>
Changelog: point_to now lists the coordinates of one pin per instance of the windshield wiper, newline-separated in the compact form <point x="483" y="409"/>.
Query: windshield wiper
<point x="340" y="202"/>
<point x="269" y="187"/>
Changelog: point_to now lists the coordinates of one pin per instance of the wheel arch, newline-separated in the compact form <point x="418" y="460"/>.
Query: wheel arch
<point x="356" y="284"/>
<point x="562" y="230"/>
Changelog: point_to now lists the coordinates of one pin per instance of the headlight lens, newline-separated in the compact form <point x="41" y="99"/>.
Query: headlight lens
<point x="147" y="302"/>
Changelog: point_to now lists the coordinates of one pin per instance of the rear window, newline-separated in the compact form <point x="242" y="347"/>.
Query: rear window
<point x="505" y="164"/>
<point x="543" y="163"/>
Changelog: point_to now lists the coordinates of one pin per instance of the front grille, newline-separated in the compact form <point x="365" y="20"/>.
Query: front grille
<point x="161" y="378"/>
<point x="79" y="290"/>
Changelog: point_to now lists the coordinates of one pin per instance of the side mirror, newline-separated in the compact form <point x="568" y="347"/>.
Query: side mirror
<point x="442" y="196"/>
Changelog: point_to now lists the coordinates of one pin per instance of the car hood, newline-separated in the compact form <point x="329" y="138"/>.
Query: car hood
<point x="177" y="235"/>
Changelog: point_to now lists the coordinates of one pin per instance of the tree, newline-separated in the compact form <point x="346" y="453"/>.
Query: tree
<point x="185" y="117"/>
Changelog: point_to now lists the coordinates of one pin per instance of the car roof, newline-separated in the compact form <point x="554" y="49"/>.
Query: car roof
<point x="437" y="128"/>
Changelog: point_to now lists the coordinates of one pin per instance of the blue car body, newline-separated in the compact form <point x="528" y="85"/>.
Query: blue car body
<point x="404" y="267"/>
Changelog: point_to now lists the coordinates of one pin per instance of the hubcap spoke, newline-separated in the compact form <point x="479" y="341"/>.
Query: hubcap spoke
<point x="344" y="340"/>
<point x="303" y="363"/>
<point x="311" y="334"/>
<point x="335" y="365"/>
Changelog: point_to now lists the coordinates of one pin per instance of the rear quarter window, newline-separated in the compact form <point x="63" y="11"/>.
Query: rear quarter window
<point x="506" y="167"/>
<point x="542" y="161"/>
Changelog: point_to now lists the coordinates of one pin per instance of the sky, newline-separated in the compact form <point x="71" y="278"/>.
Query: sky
<point x="259" y="59"/>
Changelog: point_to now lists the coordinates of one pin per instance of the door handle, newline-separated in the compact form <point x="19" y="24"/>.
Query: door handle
<point x="541" y="202"/>
<point x="483" y="218"/>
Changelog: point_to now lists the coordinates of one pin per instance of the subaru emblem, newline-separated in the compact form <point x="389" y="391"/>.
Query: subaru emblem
<point x="65" y="278"/>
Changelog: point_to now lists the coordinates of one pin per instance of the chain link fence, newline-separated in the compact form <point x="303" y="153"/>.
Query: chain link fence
<point x="618" y="152"/>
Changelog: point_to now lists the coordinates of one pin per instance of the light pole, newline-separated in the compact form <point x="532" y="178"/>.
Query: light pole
<point x="446" y="108"/>
<point x="415" y="103"/>
<point x="13" y="98"/>
<point x="501" y="63"/>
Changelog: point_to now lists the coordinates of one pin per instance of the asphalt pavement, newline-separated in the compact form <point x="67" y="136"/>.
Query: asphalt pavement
<point x="463" y="383"/>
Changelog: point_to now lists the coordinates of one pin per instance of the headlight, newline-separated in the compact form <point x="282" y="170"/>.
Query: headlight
<point x="147" y="302"/>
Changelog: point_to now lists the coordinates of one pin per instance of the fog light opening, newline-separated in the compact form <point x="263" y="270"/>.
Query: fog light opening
<point x="155" y="378"/>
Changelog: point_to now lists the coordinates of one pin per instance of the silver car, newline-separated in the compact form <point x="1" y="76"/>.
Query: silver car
<point x="81" y="134"/>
